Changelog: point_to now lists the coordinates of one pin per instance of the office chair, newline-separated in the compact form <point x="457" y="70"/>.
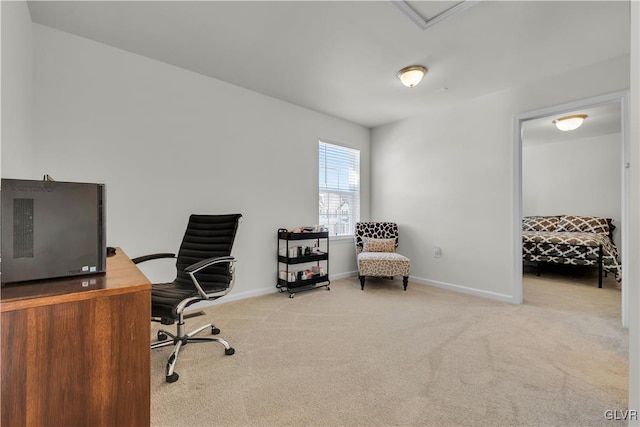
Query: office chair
<point x="376" y="244"/>
<point x="205" y="272"/>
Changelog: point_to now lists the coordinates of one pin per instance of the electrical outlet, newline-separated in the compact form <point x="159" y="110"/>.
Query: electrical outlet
<point x="437" y="252"/>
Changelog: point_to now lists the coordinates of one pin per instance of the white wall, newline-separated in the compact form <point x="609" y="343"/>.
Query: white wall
<point x="168" y="142"/>
<point x="17" y="91"/>
<point x="634" y="216"/>
<point x="577" y="177"/>
<point x="447" y="178"/>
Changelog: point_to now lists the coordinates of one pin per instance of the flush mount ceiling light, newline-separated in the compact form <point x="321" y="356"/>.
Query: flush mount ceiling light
<point x="412" y="75"/>
<point x="570" y="122"/>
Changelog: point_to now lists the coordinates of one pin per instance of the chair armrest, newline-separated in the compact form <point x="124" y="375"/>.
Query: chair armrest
<point x="194" y="268"/>
<point x="144" y="258"/>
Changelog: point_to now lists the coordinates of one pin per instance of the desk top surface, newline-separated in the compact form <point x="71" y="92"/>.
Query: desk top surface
<point x="122" y="276"/>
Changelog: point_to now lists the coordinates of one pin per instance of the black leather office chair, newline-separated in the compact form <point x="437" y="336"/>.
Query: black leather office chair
<point x="205" y="272"/>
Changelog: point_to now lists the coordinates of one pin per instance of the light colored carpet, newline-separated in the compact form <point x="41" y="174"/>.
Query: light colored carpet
<point x="385" y="357"/>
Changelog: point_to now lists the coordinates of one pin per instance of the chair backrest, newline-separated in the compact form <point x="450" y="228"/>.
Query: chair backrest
<point x="207" y="236"/>
<point x="376" y="230"/>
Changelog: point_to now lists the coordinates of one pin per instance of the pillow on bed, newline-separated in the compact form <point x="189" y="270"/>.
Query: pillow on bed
<point x="585" y="224"/>
<point x="539" y="223"/>
<point x="378" y="245"/>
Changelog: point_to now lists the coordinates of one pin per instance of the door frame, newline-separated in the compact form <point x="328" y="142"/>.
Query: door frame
<point x="622" y="99"/>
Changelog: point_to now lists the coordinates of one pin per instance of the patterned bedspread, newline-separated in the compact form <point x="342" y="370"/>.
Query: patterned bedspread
<point x="574" y="248"/>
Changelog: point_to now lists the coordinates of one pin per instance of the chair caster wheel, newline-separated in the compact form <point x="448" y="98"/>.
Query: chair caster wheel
<point x="172" y="378"/>
<point x="328" y="288"/>
<point x="229" y="351"/>
<point x="291" y="295"/>
<point x="161" y="336"/>
<point x="215" y="331"/>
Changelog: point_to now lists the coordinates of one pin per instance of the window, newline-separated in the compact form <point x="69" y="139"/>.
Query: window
<point x="339" y="188"/>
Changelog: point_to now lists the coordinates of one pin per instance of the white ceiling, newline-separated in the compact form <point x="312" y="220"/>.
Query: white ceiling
<point x="341" y="58"/>
<point x="601" y="120"/>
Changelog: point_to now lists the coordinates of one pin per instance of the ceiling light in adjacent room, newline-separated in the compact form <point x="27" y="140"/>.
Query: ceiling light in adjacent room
<point x="570" y="122"/>
<point x="411" y="76"/>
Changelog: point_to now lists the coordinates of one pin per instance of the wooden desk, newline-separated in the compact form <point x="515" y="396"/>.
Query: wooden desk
<point x="76" y="352"/>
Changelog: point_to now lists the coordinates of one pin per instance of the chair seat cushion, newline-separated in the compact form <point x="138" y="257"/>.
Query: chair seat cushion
<point x="165" y="298"/>
<point x="383" y="264"/>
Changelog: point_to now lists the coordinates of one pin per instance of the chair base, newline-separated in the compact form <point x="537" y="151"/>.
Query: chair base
<point x="405" y="282"/>
<point x="181" y="339"/>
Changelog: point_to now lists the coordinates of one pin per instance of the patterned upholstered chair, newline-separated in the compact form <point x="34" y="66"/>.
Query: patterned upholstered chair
<point x="376" y="244"/>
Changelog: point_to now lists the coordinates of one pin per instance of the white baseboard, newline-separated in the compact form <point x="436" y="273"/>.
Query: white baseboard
<point x="343" y="275"/>
<point x="258" y="292"/>
<point x="232" y="297"/>
<point x="464" y="289"/>
<point x="448" y="286"/>
<point x="248" y="294"/>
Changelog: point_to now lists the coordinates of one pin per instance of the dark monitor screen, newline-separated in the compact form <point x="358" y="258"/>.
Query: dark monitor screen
<point x="51" y="229"/>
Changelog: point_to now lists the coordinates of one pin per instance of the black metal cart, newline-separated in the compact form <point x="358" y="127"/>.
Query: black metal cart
<point x="311" y="263"/>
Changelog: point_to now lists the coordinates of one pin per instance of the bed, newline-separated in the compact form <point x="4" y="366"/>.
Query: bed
<point x="572" y="240"/>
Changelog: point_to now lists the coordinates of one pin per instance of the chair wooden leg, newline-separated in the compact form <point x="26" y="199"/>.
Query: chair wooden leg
<point x="361" y="282"/>
<point x="405" y="282"/>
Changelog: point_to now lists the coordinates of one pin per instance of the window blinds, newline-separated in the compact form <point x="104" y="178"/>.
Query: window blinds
<point x="339" y="188"/>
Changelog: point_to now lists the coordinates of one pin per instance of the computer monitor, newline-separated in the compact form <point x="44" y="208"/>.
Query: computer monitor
<point x="51" y="229"/>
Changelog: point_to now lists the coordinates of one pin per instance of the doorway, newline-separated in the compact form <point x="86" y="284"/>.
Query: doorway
<point x="533" y="128"/>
